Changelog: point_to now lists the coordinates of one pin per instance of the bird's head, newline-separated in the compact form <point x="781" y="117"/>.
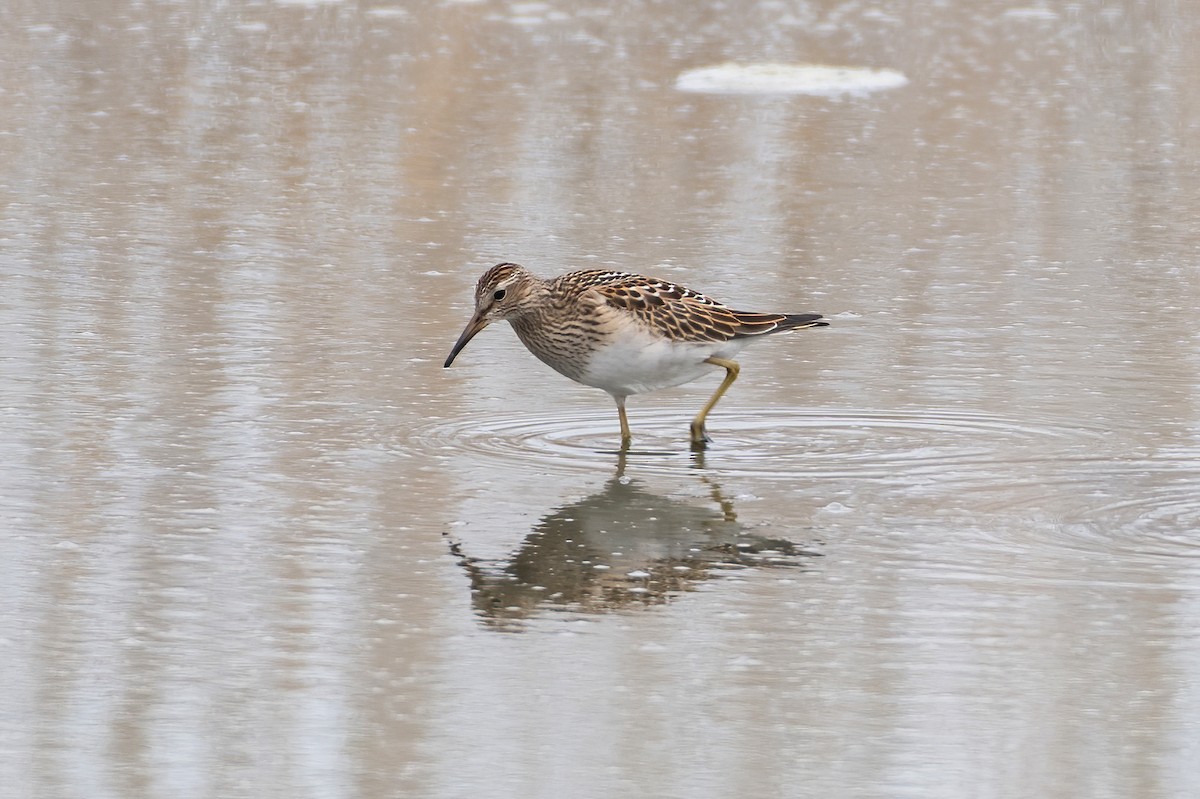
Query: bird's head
<point x="498" y="295"/>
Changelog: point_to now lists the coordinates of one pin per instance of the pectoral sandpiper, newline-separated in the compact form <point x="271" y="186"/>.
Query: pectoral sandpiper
<point x="626" y="334"/>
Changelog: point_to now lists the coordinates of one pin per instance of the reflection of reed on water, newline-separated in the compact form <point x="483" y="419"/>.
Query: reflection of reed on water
<point x="621" y="547"/>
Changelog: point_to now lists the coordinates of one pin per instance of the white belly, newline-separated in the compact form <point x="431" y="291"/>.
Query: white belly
<point x="636" y="362"/>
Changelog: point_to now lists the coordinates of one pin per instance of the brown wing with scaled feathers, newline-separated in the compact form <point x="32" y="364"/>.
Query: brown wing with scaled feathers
<point x="684" y="314"/>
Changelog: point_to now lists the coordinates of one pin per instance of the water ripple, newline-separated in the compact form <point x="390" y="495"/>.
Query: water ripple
<point x="1062" y="490"/>
<point x="765" y="443"/>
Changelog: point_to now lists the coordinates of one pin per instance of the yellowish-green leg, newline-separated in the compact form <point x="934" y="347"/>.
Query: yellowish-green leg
<point x="626" y="436"/>
<point x="699" y="437"/>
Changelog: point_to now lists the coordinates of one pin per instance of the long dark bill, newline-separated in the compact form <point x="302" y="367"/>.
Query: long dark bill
<point x="476" y="324"/>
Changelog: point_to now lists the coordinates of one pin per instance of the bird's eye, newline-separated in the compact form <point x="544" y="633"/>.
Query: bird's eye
<point x="499" y="294"/>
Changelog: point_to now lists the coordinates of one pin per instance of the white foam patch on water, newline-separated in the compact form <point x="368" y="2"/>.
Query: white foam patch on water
<point x="1040" y="14"/>
<point x="814" y="79"/>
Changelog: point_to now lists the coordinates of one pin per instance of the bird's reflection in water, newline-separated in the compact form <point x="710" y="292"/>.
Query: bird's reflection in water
<point x="622" y="547"/>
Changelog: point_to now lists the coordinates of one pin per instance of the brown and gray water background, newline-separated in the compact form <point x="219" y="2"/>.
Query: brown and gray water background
<point x="258" y="543"/>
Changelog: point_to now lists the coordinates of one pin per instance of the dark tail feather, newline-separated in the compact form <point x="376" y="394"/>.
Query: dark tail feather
<point x="757" y="324"/>
<point x="796" y="321"/>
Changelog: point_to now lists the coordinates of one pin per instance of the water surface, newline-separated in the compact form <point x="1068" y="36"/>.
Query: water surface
<point x="260" y="543"/>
